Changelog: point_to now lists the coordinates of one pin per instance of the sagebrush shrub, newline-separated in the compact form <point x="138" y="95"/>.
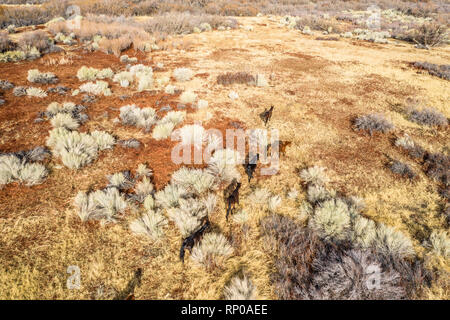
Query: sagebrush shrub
<point x="38" y="39"/>
<point x="5" y="42"/>
<point x="441" y="71"/>
<point x="308" y="268"/>
<point x="428" y="117"/>
<point x="437" y="167"/>
<point x="402" y="169"/>
<point x="373" y="122"/>
<point x="35" y="76"/>
<point x="6" y="85"/>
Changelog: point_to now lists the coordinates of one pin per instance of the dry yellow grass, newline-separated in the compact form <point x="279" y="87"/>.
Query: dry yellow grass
<point x="317" y="87"/>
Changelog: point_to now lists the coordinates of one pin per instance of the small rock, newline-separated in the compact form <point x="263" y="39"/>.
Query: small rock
<point x="166" y="108"/>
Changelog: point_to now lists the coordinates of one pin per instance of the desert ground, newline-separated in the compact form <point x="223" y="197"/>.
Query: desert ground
<point x="317" y="85"/>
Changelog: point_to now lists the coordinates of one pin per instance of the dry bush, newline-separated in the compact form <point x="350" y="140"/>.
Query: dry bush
<point x="427" y="116"/>
<point x="5" y="43"/>
<point x="437" y="166"/>
<point x="441" y="71"/>
<point x="38" y="39"/>
<point x="115" y="46"/>
<point x="32" y="15"/>
<point x="319" y="23"/>
<point x="373" y="122"/>
<point x="308" y="268"/>
<point x="236" y="77"/>
<point x="430" y="34"/>
<point x="180" y="23"/>
<point x="402" y="169"/>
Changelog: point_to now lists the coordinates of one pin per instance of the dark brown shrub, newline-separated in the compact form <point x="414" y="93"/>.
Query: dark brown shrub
<point x="402" y="169"/>
<point x="308" y="268"/>
<point x="441" y="71"/>
<point x="437" y="167"/>
<point x="236" y="77"/>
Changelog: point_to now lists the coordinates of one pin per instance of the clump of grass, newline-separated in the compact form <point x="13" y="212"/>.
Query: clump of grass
<point x="427" y="116"/>
<point x="373" y="122"/>
<point x="106" y="204"/>
<point x="121" y="180"/>
<point x="314" y="175"/>
<point x="440" y="243"/>
<point x="441" y="71"/>
<point x="169" y="197"/>
<point x="134" y="116"/>
<point x="230" y="78"/>
<point x="192" y="135"/>
<point x="15" y="168"/>
<point x="150" y="224"/>
<point x="91" y="74"/>
<point x="198" y="181"/>
<point x="64" y="120"/>
<point x="402" y="169"/>
<point x="182" y="74"/>
<point x="240" y="288"/>
<point x="162" y="130"/>
<point x="211" y="250"/>
<point x="76" y="149"/>
<point x="96" y="88"/>
<point x="331" y="220"/>
<point x="35" y="92"/>
<point x="35" y="76"/>
<point x="188" y="97"/>
<point x="393" y="243"/>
